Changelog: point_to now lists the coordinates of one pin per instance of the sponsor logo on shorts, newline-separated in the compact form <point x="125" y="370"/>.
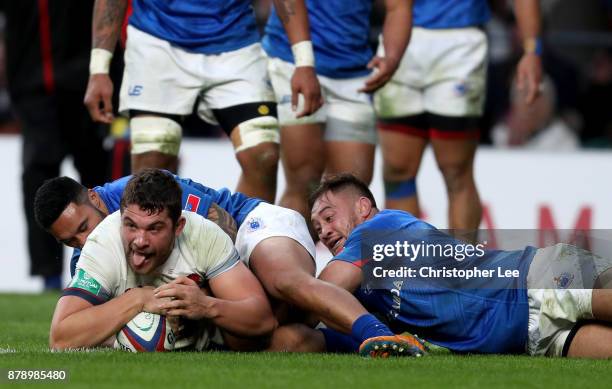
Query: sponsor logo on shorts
<point x="263" y="109"/>
<point x="564" y="280"/>
<point x="255" y="224"/>
<point x="193" y="203"/>
<point x="84" y="281"/>
<point x="135" y="90"/>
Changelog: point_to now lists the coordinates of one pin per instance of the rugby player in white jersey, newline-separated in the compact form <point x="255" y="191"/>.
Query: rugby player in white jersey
<point x="149" y="242"/>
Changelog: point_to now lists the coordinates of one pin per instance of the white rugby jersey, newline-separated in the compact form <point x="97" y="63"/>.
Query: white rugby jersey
<point x="202" y="251"/>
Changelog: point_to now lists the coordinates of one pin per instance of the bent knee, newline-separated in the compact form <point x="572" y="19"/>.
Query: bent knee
<point x="261" y="158"/>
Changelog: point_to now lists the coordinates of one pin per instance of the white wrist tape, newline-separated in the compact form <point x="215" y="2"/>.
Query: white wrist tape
<point x="303" y="54"/>
<point x="99" y="62"/>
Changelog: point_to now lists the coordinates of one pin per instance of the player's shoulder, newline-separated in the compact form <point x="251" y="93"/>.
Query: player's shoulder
<point x="103" y="254"/>
<point x="198" y="229"/>
<point x="107" y="230"/>
<point x="194" y="221"/>
<point x="393" y="218"/>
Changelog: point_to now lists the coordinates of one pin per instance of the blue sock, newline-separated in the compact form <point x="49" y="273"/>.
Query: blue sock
<point x="397" y="190"/>
<point x="368" y="326"/>
<point x="336" y="342"/>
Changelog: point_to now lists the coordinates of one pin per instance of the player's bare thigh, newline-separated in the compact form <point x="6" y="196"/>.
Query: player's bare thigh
<point x="281" y="263"/>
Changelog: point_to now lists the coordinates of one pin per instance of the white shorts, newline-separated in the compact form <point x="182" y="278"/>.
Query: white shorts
<point x="348" y="115"/>
<point x="161" y="78"/>
<point x="442" y="72"/>
<point x="267" y="221"/>
<point x="560" y="287"/>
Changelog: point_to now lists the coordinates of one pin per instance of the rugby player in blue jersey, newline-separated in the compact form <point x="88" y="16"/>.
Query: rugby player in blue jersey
<point x="557" y="304"/>
<point x="437" y="95"/>
<point x="273" y="241"/>
<point x="341" y="136"/>
<point x="205" y="52"/>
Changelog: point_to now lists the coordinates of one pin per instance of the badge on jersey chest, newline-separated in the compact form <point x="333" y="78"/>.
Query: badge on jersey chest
<point x="193" y="203"/>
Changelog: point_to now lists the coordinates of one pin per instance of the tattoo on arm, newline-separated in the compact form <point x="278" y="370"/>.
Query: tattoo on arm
<point x="223" y="219"/>
<point x="108" y="17"/>
<point x="285" y="9"/>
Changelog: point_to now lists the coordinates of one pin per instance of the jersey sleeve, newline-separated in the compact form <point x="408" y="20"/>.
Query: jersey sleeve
<point x="218" y="254"/>
<point x="194" y="199"/>
<point x="352" y="250"/>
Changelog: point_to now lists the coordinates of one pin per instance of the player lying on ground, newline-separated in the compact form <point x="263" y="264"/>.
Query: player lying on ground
<point x="535" y="312"/>
<point x="151" y="242"/>
<point x="272" y="240"/>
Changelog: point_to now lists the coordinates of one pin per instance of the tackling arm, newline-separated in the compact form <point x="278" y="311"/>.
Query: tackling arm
<point x="343" y="274"/>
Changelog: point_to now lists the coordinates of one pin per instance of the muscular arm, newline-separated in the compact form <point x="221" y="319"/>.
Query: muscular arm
<point x="343" y="274"/>
<point x="396" y="35"/>
<point x="223" y="219"/>
<point x="239" y="306"/>
<point x="529" y="69"/>
<point x="77" y="323"/>
<point x="294" y="16"/>
<point x="108" y="17"/>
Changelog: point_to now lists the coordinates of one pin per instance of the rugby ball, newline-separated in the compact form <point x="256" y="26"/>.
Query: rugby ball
<point x="146" y="332"/>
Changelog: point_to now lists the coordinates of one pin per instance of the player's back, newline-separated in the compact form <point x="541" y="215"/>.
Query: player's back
<point x="202" y="26"/>
<point x="462" y="320"/>
<point x="195" y="198"/>
<point x="441" y="14"/>
<point x="238" y="205"/>
<point x="486" y="313"/>
<point x="340" y="35"/>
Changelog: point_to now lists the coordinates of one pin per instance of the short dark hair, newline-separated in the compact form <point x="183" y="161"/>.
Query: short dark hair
<point x="154" y="190"/>
<point x="338" y="182"/>
<point x="53" y="196"/>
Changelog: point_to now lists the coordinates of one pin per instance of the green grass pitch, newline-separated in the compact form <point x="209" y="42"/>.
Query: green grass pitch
<point x="24" y="329"/>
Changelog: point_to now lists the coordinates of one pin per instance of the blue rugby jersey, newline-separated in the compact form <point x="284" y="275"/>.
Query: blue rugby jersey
<point x="482" y="316"/>
<point x="201" y="26"/>
<point x="339" y="31"/>
<point x="440" y="14"/>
